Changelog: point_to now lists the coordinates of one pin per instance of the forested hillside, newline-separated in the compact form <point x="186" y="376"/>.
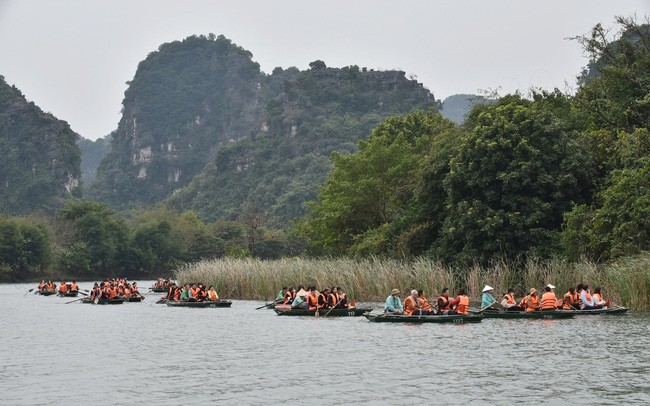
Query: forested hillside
<point x="39" y="160"/>
<point x="318" y="111"/>
<point x="92" y="153"/>
<point x="457" y="106"/>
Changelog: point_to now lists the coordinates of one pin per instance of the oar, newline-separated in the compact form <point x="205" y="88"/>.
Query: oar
<point x="265" y="305"/>
<point x="337" y="303"/>
<point x="481" y="310"/>
<point x="72" y="301"/>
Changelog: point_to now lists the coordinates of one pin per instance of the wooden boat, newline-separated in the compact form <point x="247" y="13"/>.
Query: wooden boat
<point x="612" y="310"/>
<point x="68" y="294"/>
<point x="47" y="292"/>
<point x="395" y="318"/>
<point x="158" y="290"/>
<point x="103" y="301"/>
<point x="132" y="299"/>
<point x="205" y="303"/>
<point x="286" y="310"/>
<point x="548" y="314"/>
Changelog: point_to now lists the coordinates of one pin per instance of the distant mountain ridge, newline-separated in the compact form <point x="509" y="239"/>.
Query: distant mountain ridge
<point x="39" y="165"/>
<point x="202" y="107"/>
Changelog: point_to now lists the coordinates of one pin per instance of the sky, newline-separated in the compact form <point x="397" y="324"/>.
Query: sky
<point x="73" y="57"/>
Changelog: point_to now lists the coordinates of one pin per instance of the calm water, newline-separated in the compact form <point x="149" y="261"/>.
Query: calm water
<point x="143" y="353"/>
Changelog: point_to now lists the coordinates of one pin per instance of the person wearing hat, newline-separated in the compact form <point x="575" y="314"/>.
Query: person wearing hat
<point x="487" y="299"/>
<point x="299" y="301"/>
<point x="533" y="301"/>
<point x="393" y="303"/>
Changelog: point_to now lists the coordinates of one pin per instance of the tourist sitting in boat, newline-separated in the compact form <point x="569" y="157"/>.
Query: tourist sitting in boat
<point x="423" y="302"/>
<point x="50" y="285"/>
<point x="598" y="299"/>
<point x="42" y="285"/>
<point x="570" y="300"/>
<point x="343" y="298"/>
<point x="532" y="301"/>
<point x="312" y="298"/>
<point x="63" y="288"/>
<point x="289" y="296"/>
<point x="212" y="294"/>
<point x="299" y="302"/>
<point x="509" y="303"/>
<point x="185" y="293"/>
<point x="134" y="289"/>
<point x="393" y="303"/>
<point x="74" y="287"/>
<point x="443" y="304"/>
<point x="586" y="300"/>
<point x="323" y="299"/>
<point x="411" y="304"/>
<point x="487" y="299"/>
<point x="279" y="298"/>
<point x="95" y="292"/>
<point x="549" y="300"/>
<point x="461" y="302"/>
<point x="333" y="298"/>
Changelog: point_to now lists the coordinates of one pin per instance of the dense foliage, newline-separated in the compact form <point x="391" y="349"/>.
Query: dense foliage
<point x="548" y="175"/>
<point x="92" y="153"/>
<point x="39" y="165"/>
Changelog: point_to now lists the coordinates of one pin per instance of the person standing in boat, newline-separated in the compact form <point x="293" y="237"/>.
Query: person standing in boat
<point x="549" y="300"/>
<point x="443" y="304"/>
<point x="393" y="303"/>
<point x="487" y="299"/>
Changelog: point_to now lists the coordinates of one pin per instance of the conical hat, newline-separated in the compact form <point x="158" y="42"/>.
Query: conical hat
<point x="487" y="288"/>
<point x="301" y="292"/>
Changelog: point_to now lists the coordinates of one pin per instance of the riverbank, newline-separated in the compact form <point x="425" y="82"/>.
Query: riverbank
<point x="626" y="282"/>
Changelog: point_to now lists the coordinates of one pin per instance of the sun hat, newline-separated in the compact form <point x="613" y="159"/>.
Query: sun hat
<point x="551" y="286"/>
<point x="533" y="290"/>
<point x="487" y="288"/>
<point x="394" y="292"/>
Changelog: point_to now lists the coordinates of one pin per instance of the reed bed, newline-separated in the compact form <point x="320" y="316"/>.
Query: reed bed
<point x="626" y="282"/>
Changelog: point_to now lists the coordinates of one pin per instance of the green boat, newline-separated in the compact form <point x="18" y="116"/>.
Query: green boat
<point x="132" y="299"/>
<point x="400" y="318"/>
<point x="68" y="294"/>
<point x="613" y="310"/>
<point x="47" y="292"/>
<point x="547" y="314"/>
<point x="103" y="301"/>
<point x="344" y="312"/>
<point x="205" y="303"/>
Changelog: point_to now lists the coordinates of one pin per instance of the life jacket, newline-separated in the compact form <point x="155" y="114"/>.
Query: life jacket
<point x="74" y="287"/>
<point x="212" y="295"/>
<point x="548" y="301"/>
<point x="424" y="303"/>
<point x="63" y="288"/>
<point x="588" y="297"/>
<point x="312" y="301"/>
<point x="409" y="305"/>
<point x="598" y="297"/>
<point x="112" y="293"/>
<point x="194" y="292"/>
<point x="322" y="301"/>
<point x="534" y="301"/>
<point x="170" y="292"/>
<point x="524" y="302"/>
<point x="177" y="294"/>
<point x="333" y="299"/>
<point x="510" y="299"/>
<point x="463" y="305"/>
<point x="50" y="286"/>
<point x="445" y="305"/>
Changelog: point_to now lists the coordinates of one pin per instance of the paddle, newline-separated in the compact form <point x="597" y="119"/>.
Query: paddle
<point x="337" y="303"/>
<point x="481" y="310"/>
<point x="268" y="305"/>
<point x="72" y="301"/>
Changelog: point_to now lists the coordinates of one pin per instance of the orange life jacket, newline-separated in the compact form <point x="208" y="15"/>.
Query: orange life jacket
<point x="598" y="297"/>
<point x="177" y="294"/>
<point x="74" y="287"/>
<point x="312" y="301"/>
<point x="334" y="299"/>
<point x="50" y="286"/>
<point x="588" y="297"/>
<point x="424" y="303"/>
<point x="194" y="292"/>
<point x="524" y="302"/>
<point x="463" y="305"/>
<point x="63" y="288"/>
<point x="212" y="295"/>
<point x="510" y="299"/>
<point x="445" y="306"/>
<point x="548" y="301"/>
<point x="534" y="302"/>
<point x="409" y="305"/>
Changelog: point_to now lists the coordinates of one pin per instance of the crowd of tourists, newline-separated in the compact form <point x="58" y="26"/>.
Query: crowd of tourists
<point x="312" y="299"/>
<point x="114" y="289"/>
<point x="190" y="293"/>
<point x="162" y="283"/>
<point x="576" y="298"/>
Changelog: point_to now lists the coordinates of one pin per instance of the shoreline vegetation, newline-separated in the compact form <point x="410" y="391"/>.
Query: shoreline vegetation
<point x="626" y="281"/>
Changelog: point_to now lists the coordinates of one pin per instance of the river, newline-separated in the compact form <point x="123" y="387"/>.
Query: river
<point x="147" y="354"/>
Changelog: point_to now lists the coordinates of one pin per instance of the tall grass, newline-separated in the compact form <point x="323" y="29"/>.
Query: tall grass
<point x="626" y="282"/>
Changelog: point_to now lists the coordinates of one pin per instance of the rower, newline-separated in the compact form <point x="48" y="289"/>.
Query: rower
<point x="532" y="303"/>
<point x="443" y="304"/>
<point x="322" y="299"/>
<point x="343" y="298"/>
<point x="289" y="296"/>
<point x="333" y="298"/>
<point x="548" y="298"/>
<point x="569" y="301"/>
<point x="393" y="304"/>
<point x="487" y="299"/>
<point x="312" y="299"/>
<point x="63" y="288"/>
<point x="279" y="298"/>
<point x="74" y="287"/>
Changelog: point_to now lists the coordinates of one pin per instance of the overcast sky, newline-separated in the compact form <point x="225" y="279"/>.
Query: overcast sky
<point x="73" y="57"/>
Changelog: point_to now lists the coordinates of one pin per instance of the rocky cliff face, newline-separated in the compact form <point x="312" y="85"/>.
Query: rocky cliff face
<point x="39" y="165"/>
<point x="186" y="100"/>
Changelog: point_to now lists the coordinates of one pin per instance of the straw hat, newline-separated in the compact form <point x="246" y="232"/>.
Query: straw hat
<point x="487" y="288"/>
<point x="301" y="292"/>
<point x="550" y="286"/>
<point x="532" y="290"/>
<point x="394" y="292"/>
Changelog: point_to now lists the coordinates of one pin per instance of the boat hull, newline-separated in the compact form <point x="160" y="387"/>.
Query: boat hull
<point x="68" y="294"/>
<point x="46" y="292"/>
<point x="205" y="303"/>
<point x="616" y="310"/>
<point x="158" y="290"/>
<point x="455" y="319"/>
<point x="103" y="301"/>
<point x="133" y="299"/>
<point x="550" y="314"/>
<point x="348" y="312"/>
